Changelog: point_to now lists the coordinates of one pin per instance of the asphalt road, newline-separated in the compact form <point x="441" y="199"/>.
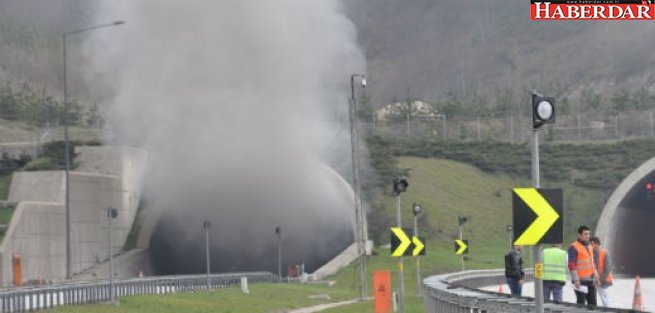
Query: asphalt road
<point x="621" y="293"/>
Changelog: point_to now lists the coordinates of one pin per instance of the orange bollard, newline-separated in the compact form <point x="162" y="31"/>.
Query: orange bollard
<point x="501" y="288"/>
<point x="382" y="289"/>
<point x="18" y="269"/>
<point x="637" y="302"/>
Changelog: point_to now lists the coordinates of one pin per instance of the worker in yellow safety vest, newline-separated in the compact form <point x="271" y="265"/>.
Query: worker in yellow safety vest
<point x="604" y="267"/>
<point x="555" y="269"/>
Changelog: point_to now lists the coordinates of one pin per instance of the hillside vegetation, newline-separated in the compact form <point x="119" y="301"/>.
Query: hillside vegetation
<point x="587" y="173"/>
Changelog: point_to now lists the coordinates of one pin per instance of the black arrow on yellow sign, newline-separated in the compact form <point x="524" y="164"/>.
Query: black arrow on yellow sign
<point x="404" y="245"/>
<point x="461" y="246"/>
<point x="537" y="216"/>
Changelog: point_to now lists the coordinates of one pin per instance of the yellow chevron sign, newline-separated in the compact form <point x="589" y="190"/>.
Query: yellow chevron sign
<point x="537" y="216"/>
<point x="418" y="246"/>
<point x="402" y="244"/>
<point x="461" y="246"/>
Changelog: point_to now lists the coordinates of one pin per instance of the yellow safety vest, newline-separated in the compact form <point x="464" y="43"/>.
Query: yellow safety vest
<point x="555" y="266"/>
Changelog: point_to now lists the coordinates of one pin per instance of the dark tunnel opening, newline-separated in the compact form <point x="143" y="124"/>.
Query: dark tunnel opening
<point x="633" y="226"/>
<point x="171" y="254"/>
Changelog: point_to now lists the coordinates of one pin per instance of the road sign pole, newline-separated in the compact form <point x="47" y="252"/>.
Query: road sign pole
<point x="401" y="277"/>
<point x="538" y="258"/>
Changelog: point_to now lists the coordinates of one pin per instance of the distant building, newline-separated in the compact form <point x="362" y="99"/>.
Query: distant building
<point x="399" y="109"/>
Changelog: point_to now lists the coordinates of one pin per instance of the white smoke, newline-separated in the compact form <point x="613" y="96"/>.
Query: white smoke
<point x="235" y="102"/>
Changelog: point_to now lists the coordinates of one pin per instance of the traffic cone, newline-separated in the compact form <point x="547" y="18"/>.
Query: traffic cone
<point x="637" y="302"/>
<point x="501" y="289"/>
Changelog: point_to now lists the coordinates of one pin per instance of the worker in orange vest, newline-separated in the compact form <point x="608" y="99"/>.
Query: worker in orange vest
<point x="582" y="268"/>
<point x="604" y="267"/>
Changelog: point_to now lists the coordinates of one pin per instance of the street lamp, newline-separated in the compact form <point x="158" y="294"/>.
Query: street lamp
<point x="66" y="142"/>
<point x="416" y="209"/>
<point x="112" y="213"/>
<point x="206" y="226"/>
<point x="360" y="236"/>
<point x="278" y="232"/>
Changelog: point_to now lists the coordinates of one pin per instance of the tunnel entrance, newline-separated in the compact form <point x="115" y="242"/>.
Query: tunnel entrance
<point x="633" y="227"/>
<point x="176" y="248"/>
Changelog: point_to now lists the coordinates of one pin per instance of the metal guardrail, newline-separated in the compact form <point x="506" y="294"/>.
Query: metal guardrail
<point x="457" y="292"/>
<point x="26" y="299"/>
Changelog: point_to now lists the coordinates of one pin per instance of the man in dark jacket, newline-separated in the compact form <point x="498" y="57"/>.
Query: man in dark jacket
<point x="514" y="273"/>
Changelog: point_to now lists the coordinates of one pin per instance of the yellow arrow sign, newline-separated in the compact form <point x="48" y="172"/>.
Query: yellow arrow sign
<point x="546" y="216"/>
<point x="404" y="241"/>
<point x="418" y="246"/>
<point x="462" y="246"/>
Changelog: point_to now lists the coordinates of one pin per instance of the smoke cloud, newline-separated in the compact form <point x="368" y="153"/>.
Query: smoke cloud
<point x="235" y="101"/>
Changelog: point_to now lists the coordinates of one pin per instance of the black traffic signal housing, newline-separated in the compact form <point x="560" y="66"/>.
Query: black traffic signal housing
<point x="399" y="185"/>
<point x="543" y="110"/>
<point x="112" y="212"/>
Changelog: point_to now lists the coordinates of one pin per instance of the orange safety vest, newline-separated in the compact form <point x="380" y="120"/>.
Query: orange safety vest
<point x="584" y="265"/>
<point x="601" y="266"/>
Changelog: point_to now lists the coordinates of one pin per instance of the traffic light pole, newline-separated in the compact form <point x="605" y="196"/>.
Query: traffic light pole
<point x="461" y="237"/>
<point x="538" y="257"/>
<point x="401" y="276"/>
<point x="418" y="257"/>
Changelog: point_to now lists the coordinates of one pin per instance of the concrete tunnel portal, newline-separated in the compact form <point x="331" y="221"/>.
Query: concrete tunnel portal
<point x="627" y="223"/>
<point x="177" y="246"/>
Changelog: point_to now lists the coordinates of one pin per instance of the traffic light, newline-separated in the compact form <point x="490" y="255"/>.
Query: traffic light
<point x="650" y="190"/>
<point x="543" y="110"/>
<point x="399" y="185"/>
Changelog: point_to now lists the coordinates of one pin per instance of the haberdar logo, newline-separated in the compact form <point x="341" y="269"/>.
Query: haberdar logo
<point x="592" y="10"/>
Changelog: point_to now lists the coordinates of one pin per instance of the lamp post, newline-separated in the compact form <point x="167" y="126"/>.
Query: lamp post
<point x="416" y="209"/>
<point x="112" y="213"/>
<point x="360" y="236"/>
<point x="66" y="143"/>
<point x="206" y="226"/>
<point x="278" y="232"/>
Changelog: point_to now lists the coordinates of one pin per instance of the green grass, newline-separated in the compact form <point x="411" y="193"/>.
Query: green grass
<point x="262" y="298"/>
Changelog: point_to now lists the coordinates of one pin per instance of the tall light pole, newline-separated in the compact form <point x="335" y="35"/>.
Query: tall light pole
<point x="399" y="186"/>
<point x="416" y="209"/>
<point x="278" y="232"/>
<point x="206" y="226"/>
<point x="360" y="236"/>
<point x="69" y="272"/>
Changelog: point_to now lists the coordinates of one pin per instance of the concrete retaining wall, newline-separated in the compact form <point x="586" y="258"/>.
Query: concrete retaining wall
<point x="112" y="177"/>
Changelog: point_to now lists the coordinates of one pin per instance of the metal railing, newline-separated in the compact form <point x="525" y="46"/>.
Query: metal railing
<point x="457" y="292"/>
<point x="26" y="299"/>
